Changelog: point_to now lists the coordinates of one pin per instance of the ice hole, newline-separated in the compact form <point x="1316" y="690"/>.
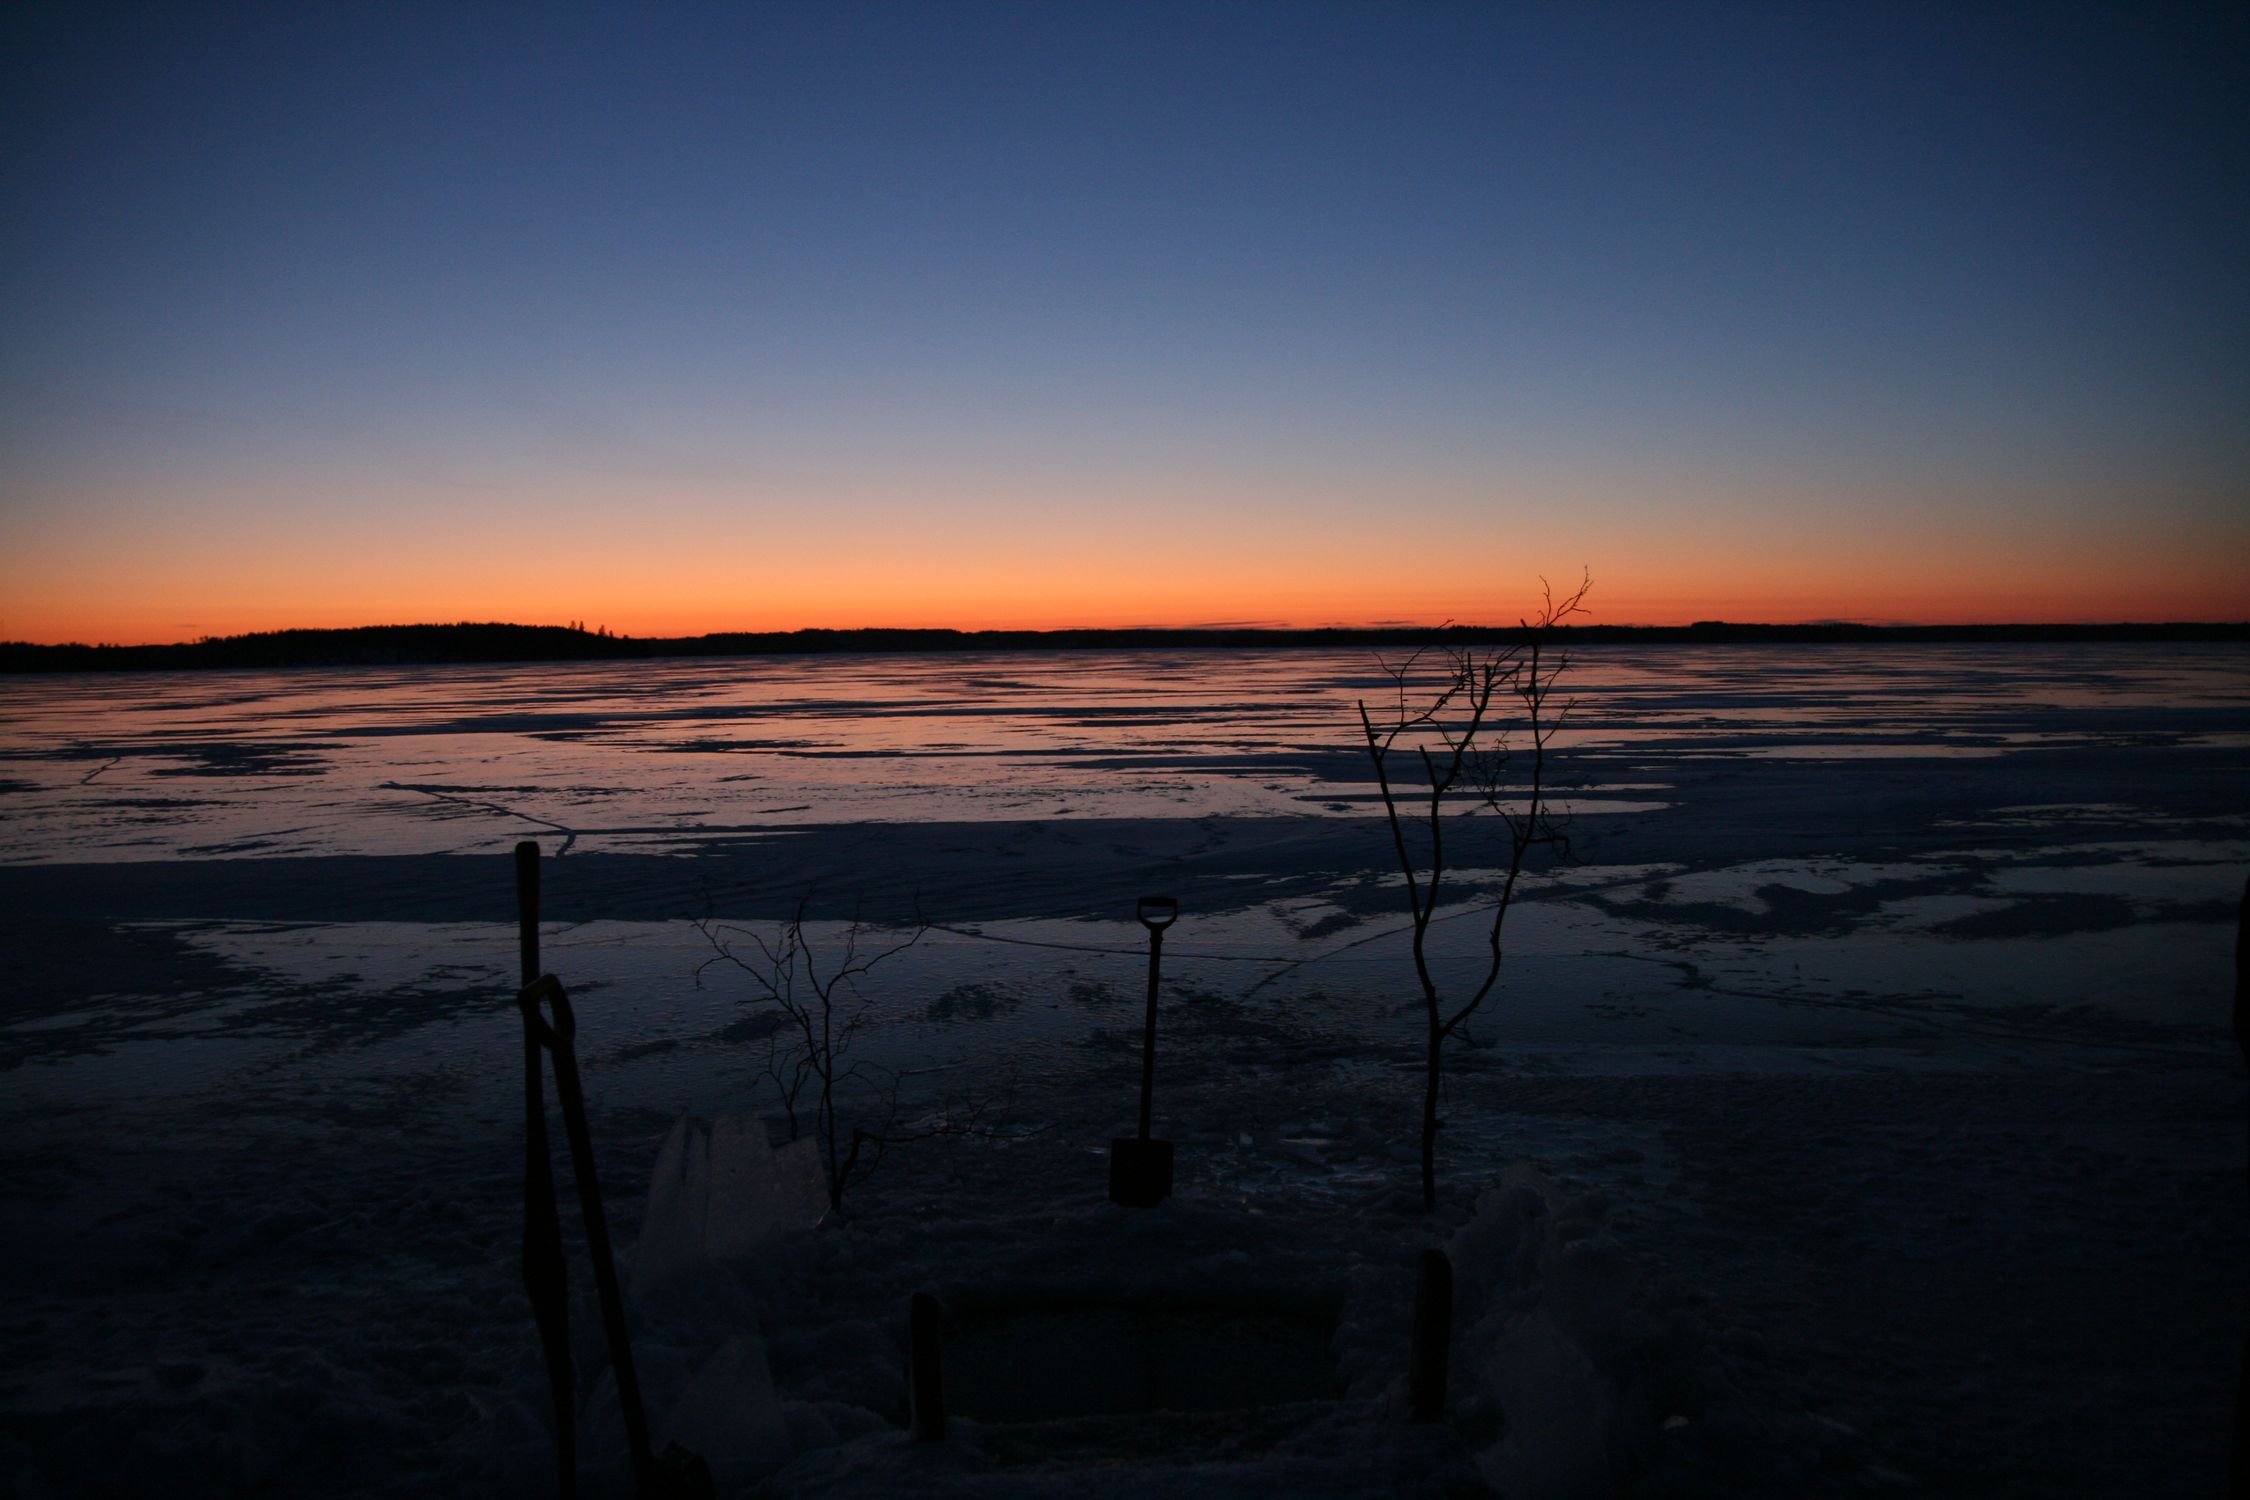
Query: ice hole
<point x="1077" y="1359"/>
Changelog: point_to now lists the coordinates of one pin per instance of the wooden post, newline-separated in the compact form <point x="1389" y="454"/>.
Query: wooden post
<point x="1433" y="1335"/>
<point x="925" y="1359"/>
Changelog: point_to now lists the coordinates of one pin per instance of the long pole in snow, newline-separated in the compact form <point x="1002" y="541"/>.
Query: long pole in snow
<point x="546" y="1278"/>
<point x="527" y="911"/>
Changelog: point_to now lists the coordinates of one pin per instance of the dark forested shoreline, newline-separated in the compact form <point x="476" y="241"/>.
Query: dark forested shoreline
<point x="406" y="645"/>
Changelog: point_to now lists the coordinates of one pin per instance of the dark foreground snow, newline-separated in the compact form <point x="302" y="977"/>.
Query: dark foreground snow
<point x="1845" y="1277"/>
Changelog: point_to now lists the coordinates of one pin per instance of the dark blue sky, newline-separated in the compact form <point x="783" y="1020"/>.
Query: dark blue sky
<point x="1747" y="308"/>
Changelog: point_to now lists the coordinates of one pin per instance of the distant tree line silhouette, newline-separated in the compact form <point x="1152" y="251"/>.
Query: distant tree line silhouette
<point x="407" y="645"/>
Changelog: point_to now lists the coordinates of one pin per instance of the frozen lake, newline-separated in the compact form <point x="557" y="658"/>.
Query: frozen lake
<point x="1769" y="844"/>
<point x="260" y="956"/>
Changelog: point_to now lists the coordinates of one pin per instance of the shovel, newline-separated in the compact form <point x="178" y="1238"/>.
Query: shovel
<point x="1140" y="1170"/>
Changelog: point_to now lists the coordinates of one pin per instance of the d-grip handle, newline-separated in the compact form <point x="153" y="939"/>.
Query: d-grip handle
<point x="547" y="990"/>
<point x="1158" y="912"/>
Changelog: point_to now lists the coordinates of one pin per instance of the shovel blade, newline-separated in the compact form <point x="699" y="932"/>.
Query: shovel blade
<point x="1140" y="1171"/>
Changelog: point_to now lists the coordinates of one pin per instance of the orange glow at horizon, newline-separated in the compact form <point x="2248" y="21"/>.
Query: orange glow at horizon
<point x="142" y="602"/>
<point x="161" y="561"/>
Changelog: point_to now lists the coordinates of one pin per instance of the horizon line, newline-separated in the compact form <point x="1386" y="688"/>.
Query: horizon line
<point x="579" y="630"/>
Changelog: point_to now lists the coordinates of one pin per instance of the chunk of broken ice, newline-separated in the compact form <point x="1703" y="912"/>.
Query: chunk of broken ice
<point x="717" y="1191"/>
<point x="730" y="1414"/>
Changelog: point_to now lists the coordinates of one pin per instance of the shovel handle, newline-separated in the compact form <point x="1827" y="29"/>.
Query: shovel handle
<point x="1156" y="914"/>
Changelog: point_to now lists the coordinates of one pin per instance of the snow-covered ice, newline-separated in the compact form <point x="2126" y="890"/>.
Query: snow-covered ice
<point x="1857" y="1114"/>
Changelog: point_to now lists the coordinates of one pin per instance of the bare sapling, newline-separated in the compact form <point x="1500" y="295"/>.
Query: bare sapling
<point x="1476" y="724"/>
<point x="819" y="1015"/>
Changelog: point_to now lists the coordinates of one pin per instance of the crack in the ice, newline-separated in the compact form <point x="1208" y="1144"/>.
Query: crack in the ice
<point x="1178" y="953"/>
<point x="570" y="835"/>
<point x="1935" y="1020"/>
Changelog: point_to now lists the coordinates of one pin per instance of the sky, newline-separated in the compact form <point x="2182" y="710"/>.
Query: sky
<point x="687" y="318"/>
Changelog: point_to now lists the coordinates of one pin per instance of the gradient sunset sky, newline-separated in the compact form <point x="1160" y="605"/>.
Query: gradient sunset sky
<point x="692" y="318"/>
